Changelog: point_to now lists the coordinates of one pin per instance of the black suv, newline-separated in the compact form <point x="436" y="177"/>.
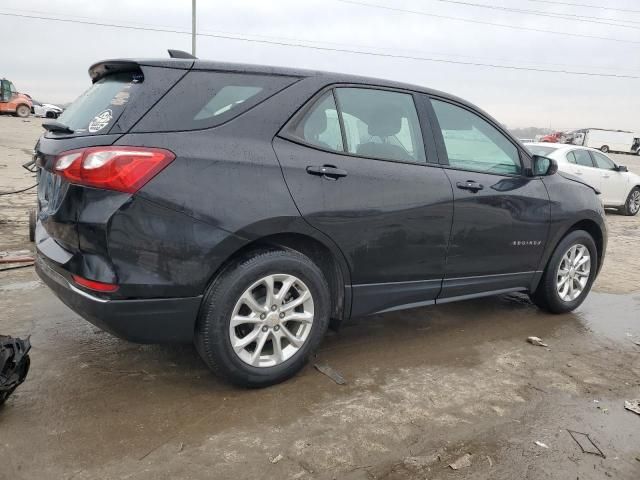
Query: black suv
<point x="243" y="207"/>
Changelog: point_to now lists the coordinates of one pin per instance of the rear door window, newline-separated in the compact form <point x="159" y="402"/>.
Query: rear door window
<point x="381" y="124"/>
<point x="583" y="158"/>
<point x="98" y="108"/>
<point x="204" y="99"/>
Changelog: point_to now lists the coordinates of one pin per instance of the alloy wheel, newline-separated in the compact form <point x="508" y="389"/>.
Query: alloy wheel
<point x="271" y="320"/>
<point x="573" y="272"/>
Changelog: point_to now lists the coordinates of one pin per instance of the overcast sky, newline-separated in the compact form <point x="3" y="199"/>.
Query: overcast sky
<point x="49" y="59"/>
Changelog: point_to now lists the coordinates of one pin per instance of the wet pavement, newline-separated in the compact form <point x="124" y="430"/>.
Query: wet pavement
<point x="423" y="388"/>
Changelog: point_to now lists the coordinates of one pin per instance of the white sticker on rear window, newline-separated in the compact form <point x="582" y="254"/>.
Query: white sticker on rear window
<point x="100" y="121"/>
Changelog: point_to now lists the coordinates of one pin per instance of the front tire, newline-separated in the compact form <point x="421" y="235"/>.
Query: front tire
<point x="263" y="317"/>
<point x="23" y="111"/>
<point x="632" y="205"/>
<point x="604" y="148"/>
<point x="569" y="275"/>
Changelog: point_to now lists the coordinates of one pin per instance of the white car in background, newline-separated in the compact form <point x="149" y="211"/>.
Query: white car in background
<point x="619" y="188"/>
<point x="46" y="110"/>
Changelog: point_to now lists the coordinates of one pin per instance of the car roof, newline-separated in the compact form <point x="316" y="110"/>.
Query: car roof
<point x="561" y="146"/>
<point x="104" y="67"/>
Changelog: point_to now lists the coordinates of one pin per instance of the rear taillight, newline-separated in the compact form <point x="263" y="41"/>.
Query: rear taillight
<point x="94" y="285"/>
<point x="124" y="169"/>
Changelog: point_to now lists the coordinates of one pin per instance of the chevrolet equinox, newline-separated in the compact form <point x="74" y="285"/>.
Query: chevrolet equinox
<point x="244" y="207"/>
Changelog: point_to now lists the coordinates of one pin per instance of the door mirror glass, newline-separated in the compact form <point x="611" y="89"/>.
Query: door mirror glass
<point x="544" y="166"/>
<point x="622" y="168"/>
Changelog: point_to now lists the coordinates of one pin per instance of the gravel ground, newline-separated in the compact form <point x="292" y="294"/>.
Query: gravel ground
<point x="424" y="387"/>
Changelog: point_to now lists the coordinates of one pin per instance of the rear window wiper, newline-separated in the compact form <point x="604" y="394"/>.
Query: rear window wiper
<point x="57" y="127"/>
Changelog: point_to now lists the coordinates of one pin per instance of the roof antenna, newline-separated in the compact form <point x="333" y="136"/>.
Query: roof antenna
<point x="180" y="54"/>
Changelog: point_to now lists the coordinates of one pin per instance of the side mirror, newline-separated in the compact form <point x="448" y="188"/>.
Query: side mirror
<point x="622" y="168"/>
<point x="544" y="166"/>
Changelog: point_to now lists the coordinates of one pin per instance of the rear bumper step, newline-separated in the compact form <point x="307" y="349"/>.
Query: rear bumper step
<point x="155" y="320"/>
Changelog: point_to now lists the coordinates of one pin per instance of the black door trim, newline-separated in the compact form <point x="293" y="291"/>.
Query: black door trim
<point x="372" y="298"/>
<point x="386" y="297"/>
<point x="467" y="287"/>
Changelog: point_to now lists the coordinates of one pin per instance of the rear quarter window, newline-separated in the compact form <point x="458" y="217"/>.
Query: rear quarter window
<point x="204" y="99"/>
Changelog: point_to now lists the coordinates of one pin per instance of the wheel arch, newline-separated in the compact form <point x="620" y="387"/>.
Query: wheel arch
<point x="324" y="256"/>
<point x="588" y="225"/>
<point x="593" y="229"/>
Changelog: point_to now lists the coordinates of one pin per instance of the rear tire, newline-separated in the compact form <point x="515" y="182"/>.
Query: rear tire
<point x="23" y="111"/>
<point x="215" y="338"/>
<point x="547" y="296"/>
<point x="604" y="148"/>
<point x="632" y="205"/>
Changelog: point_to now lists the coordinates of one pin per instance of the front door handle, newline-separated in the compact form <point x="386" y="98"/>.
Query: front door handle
<point x="327" y="171"/>
<point x="469" y="185"/>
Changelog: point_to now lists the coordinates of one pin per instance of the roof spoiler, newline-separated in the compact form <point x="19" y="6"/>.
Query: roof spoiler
<point x="180" y="54"/>
<point x="106" y="67"/>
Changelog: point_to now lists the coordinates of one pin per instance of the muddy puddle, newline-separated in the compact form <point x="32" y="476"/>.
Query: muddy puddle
<point x="449" y="379"/>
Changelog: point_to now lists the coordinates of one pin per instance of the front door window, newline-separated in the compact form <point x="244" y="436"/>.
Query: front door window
<point x="474" y="144"/>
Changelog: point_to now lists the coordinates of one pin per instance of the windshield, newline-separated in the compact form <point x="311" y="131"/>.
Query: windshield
<point x="97" y="109"/>
<point x="543" y="151"/>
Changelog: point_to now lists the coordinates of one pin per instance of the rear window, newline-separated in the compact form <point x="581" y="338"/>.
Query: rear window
<point x="98" y="108"/>
<point x="205" y="99"/>
<point x="540" y="150"/>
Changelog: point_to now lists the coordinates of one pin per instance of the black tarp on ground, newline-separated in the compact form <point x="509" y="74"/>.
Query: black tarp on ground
<point x="14" y="364"/>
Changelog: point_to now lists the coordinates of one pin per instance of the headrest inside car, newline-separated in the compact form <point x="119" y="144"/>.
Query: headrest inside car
<point x="316" y="123"/>
<point x="385" y="121"/>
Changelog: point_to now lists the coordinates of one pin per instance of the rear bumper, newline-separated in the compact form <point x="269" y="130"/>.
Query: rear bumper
<point x="156" y="320"/>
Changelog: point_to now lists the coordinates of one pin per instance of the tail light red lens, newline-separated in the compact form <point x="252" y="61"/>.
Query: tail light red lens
<point x="124" y="169"/>
<point x="93" y="285"/>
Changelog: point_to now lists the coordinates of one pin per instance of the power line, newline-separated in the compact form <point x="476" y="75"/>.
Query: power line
<point x="324" y="42"/>
<point x="564" y="16"/>
<point x="71" y="16"/>
<point x="333" y="49"/>
<point x="482" y="22"/>
<point x="586" y="6"/>
<point x="94" y="23"/>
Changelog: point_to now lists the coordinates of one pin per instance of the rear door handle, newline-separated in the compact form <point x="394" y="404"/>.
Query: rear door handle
<point x="327" y="171"/>
<point x="469" y="185"/>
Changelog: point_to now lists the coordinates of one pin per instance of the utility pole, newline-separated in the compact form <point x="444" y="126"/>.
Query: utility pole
<point x="193" y="27"/>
